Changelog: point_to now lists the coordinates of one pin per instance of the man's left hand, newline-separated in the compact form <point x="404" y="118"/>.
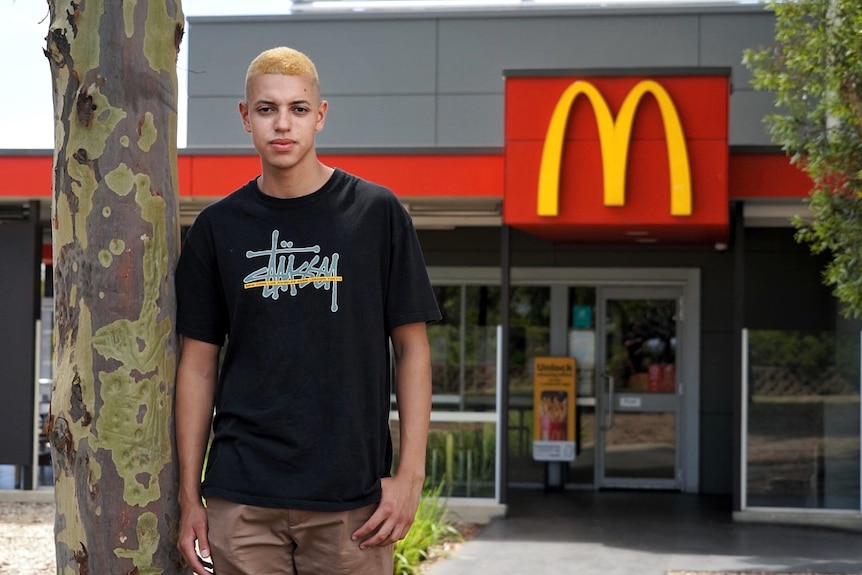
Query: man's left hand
<point x="394" y="515"/>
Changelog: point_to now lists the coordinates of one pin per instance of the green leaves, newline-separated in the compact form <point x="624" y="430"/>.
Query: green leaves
<point x="430" y="530"/>
<point x="814" y="70"/>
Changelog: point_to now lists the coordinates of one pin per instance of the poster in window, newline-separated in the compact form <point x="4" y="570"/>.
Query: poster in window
<point x="554" y="409"/>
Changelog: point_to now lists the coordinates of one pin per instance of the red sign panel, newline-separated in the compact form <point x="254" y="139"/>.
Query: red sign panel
<point x="617" y="159"/>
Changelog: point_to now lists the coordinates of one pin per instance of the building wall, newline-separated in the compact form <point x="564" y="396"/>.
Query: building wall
<point x="436" y="80"/>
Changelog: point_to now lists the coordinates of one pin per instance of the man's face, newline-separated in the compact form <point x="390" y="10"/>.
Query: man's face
<point x="283" y="114"/>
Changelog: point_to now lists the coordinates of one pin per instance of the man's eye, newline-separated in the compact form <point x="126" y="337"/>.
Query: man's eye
<point x="264" y="109"/>
<point x="300" y="110"/>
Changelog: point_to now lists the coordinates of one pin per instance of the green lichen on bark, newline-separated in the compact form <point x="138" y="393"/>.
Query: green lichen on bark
<point x="137" y="346"/>
<point x="142" y="557"/>
<point x="159" y="19"/>
<point x="86" y="49"/>
<point x="95" y="120"/>
<point x="148" y="133"/>
<point x="116" y="239"/>
<point x="117" y="247"/>
<point x="129" y="16"/>
<point x="120" y="180"/>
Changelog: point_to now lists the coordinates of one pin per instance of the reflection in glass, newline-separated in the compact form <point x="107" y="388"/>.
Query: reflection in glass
<point x="582" y="346"/>
<point x="803" y="420"/>
<point x="464" y="348"/>
<point x="582" y="470"/>
<point x="641" y="345"/>
<point x="460" y="457"/>
<point x="529" y="337"/>
<point x="640" y="348"/>
<point x="582" y="338"/>
<point x="461" y="453"/>
<point x="641" y="445"/>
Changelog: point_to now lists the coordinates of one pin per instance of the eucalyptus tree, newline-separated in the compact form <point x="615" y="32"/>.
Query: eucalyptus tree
<point x="115" y="243"/>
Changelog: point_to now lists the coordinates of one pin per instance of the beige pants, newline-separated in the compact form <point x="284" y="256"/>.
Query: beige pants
<point x="248" y="540"/>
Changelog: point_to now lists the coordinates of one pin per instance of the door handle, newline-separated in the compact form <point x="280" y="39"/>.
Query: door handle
<point x="609" y="408"/>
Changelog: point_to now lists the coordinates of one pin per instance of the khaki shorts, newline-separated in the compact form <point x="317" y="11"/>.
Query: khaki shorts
<point x="248" y="540"/>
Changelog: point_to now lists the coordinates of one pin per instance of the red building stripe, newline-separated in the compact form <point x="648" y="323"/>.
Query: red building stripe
<point x="447" y="175"/>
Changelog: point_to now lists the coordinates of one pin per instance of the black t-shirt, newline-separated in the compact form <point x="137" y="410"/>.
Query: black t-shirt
<point x="306" y="291"/>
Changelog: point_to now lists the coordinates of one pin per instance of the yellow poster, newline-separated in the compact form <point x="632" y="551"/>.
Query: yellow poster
<point x="554" y="409"/>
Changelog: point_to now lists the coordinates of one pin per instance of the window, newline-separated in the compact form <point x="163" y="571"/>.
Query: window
<point x="801" y="419"/>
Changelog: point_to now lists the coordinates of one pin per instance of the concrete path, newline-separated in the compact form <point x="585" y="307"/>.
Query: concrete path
<point x="643" y="533"/>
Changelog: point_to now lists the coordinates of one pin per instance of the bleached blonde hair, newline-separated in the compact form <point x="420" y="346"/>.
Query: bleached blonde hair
<point x="283" y="60"/>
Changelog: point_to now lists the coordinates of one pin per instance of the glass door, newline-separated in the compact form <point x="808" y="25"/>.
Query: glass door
<point x="638" y="391"/>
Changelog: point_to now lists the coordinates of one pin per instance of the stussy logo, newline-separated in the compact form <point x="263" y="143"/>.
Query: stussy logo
<point x="290" y="268"/>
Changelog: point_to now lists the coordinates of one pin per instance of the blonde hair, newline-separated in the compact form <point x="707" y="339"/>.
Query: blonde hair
<point x="283" y="60"/>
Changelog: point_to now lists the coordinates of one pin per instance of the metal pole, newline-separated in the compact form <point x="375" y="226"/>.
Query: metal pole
<point x="503" y="366"/>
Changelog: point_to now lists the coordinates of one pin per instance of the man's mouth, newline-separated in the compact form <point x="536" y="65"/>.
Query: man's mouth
<point x="282" y="143"/>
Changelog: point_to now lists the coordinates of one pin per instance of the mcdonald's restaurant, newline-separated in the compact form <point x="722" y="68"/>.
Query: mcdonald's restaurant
<point x="607" y="226"/>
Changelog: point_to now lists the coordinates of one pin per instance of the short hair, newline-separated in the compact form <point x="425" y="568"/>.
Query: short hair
<point x="283" y="60"/>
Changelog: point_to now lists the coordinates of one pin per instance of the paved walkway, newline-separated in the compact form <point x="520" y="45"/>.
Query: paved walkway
<point x="620" y="533"/>
<point x="643" y="533"/>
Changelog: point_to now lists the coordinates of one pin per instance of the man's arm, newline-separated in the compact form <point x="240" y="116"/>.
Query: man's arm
<point x="197" y="376"/>
<point x="402" y="492"/>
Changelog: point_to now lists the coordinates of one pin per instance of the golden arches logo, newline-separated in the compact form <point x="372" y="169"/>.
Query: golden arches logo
<point x="614" y="139"/>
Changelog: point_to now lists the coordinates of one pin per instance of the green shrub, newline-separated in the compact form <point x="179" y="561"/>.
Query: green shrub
<point x="430" y="530"/>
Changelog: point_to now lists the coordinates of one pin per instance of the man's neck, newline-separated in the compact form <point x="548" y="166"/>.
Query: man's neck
<point x="294" y="182"/>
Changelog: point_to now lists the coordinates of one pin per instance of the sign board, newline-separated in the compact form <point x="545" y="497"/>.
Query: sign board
<point x="630" y="158"/>
<point x="554" y="409"/>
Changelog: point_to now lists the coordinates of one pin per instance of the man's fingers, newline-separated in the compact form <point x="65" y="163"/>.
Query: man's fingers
<point x="378" y="538"/>
<point x="203" y="557"/>
<point x="387" y="534"/>
<point x="369" y="526"/>
<point x="195" y="550"/>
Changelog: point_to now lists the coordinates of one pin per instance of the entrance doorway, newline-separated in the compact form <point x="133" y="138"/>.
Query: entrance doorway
<point x="639" y="395"/>
<point x="649" y="440"/>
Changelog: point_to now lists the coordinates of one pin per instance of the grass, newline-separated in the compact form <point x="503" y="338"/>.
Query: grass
<point x="430" y="531"/>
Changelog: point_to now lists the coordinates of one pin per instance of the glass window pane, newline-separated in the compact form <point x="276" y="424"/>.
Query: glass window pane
<point x="582" y="337"/>
<point x="461" y="453"/>
<point x="460" y="457"/>
<point x="641" y="445"/>
<point x="480" y="347"/>
<point x="803" y="420"/>
<point x="641" y="345"/>
<point x="582" y="470"/>
<point x="464" y="348"/>
<point x="529" y="337"/>
<point x="582" y="346"/>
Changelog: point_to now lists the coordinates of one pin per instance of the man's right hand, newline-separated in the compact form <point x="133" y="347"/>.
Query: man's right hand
<point x="197" y="376"/>
<point x="193" y="542"/>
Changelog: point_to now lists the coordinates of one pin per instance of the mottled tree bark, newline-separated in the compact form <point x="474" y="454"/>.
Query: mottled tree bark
<point x="116" y="240"/>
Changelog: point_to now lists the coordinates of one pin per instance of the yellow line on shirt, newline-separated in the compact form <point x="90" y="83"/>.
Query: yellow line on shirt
<point x="296" y="281"/>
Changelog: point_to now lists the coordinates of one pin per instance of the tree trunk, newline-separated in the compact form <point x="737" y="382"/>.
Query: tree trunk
<point x="116" y="241"/>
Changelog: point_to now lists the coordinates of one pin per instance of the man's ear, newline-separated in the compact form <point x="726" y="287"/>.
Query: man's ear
<point x="321" y="115"/>
<point x="243" y="113"/>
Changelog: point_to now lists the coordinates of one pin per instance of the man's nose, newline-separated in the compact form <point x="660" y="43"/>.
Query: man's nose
<point x="282" y="121"/>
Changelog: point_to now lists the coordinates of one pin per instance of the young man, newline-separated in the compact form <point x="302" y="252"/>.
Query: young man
<point x="309" y="273"/>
